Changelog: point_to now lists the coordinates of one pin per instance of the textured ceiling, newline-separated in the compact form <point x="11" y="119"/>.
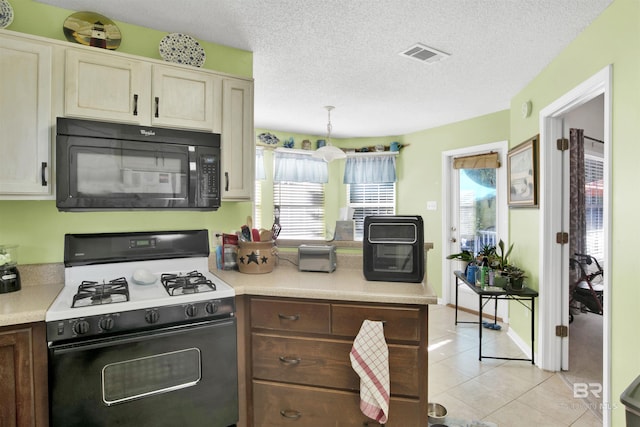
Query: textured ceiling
<point x="310" y="53"/>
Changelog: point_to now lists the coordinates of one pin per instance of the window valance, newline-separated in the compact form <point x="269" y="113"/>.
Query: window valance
<point x="299" y="166"/>
<point x="477" y="161"/>
<point x="371" y="169"/>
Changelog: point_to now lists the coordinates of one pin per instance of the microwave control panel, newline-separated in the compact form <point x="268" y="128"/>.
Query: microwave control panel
<point x="208" y="176"/>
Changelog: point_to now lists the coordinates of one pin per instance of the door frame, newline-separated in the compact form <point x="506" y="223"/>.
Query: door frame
<point x="552" y="202"/>
<point x="502" y="212"/>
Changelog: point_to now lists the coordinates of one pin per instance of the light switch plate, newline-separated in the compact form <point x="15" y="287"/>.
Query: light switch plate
<point x="432" y="205"/>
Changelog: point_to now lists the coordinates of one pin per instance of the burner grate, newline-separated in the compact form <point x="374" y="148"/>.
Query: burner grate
<point x="189" y="283"/>
<point x="95" y="293"/>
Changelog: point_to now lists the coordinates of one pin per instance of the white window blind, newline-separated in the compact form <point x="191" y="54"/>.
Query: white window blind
<point x="257" y="204"/>
<point x="301" y="209"/>
<point x="370" y="199"/>
<point x="593" y="170"/>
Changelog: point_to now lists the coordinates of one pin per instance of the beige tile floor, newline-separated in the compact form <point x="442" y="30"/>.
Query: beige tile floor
<point x="507" y="393"/>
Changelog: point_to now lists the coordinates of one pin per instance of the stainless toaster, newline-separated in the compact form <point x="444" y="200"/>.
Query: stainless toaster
<point x="317" y="258"/>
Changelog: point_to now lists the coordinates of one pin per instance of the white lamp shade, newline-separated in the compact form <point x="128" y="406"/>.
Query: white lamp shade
<point x="329" y="153"/>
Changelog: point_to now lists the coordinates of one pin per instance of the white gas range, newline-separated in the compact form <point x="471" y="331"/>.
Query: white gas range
<point x="147" y="328"/>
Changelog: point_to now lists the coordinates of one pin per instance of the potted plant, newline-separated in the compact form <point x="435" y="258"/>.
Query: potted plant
<point x="516" y="276"/>
<point x="502" y="256"/>
<point x="487" y="251"/>
<point x="467" y="258"/>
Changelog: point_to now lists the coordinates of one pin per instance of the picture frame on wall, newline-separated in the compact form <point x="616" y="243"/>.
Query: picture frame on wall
<point x="522" y="174"/>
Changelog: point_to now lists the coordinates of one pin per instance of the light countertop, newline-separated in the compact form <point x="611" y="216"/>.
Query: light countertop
<point x="344" y="284"/>
<point x="27" y="305"/>
<point x="42" y="283"/>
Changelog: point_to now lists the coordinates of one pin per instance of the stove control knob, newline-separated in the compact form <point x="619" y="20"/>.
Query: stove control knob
<point x="191" y="310"/>
<point x="81" y="327"/>
<point x="211" y="307"/>
<point x="106" y="323"/>
<point x="151" y="316"/>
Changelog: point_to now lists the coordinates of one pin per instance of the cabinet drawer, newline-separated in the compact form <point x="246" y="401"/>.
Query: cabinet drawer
<point x="287" y="405"/>
<point x="326" y="363"/>
<point x="291" y="316"/>
<point x="400" y="323"/>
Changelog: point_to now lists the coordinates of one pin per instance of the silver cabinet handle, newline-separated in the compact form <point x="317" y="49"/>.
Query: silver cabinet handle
<point x="157" y="107"/>
<point x="288" y="317"/>
<point x="290" y="413"/>
<point x="135" y="104"/>
<point x="289" y="360"/>
<point x="226" y="185"/>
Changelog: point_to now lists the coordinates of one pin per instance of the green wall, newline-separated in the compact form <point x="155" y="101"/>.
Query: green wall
<point x="613" y="38"/>
<point x="37" y="226"/>
<point x="420" y="174"/>
<point x="43" y="20"/>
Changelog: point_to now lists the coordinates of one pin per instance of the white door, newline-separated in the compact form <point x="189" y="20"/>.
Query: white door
<point x="475" y="215"/>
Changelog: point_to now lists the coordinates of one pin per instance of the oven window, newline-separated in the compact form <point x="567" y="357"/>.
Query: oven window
<point x="148" y="376"/>
<point x="393" y="258"/>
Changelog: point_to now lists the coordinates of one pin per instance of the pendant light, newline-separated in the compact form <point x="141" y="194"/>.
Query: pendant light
<point x="329" y="153"/>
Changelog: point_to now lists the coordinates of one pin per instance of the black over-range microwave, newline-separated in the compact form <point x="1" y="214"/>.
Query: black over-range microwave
<point x="112" y="166"/>
<point x="393" y="248"/>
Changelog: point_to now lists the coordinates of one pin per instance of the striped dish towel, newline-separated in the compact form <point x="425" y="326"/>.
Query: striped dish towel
<point x="370" y="359"/>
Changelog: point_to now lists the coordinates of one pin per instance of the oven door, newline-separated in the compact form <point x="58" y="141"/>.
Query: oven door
<point x="180" y="376"/>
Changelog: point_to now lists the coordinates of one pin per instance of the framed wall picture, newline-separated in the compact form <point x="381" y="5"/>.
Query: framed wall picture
<point x="522" y="174"/>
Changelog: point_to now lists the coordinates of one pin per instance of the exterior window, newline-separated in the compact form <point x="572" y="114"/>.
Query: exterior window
<point x="301" y="209"/>
<point x="370" y="199"/>
<point x="593" y="167"/>
<point x="257" y="205"/>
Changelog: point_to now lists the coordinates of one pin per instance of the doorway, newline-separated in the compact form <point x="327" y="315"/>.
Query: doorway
<point x="554" y="208"/>
<point x="474" y="215"/>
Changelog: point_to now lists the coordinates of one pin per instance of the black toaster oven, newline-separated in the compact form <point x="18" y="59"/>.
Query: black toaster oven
<point x="393" y="248"/>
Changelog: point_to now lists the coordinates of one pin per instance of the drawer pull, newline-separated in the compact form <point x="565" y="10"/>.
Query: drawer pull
<point x="289" y="360"/>
<point x="289" y="317"/>
<point x="290" y="413"/>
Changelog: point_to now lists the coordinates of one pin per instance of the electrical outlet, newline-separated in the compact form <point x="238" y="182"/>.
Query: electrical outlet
<point x="432" y="205"/>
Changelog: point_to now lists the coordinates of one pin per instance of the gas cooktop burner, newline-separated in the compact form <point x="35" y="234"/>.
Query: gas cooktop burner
<point x="189" y="283"/>
<point x="95" y="293"/>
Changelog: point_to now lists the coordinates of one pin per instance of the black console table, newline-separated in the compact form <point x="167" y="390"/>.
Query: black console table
<point x="492" y="293"/>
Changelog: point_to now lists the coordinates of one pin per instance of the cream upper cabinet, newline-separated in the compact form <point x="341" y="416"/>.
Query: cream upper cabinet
<point x="238" y="147"/>
<point x="186" y="98"/>
<point x="108" y="87"/>
<point x="25" y="118"/>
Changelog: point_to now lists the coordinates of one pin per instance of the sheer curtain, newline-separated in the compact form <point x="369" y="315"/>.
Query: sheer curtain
<point x="299" y="166"/>
<point x="370" y="169"/>
<point x="577" y="214"/>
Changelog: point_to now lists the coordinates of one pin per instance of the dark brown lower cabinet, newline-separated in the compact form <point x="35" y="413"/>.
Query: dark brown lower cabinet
<point x="23" y="376"/>
<point x="278" y="404"/>
<point x="300" y="371"/>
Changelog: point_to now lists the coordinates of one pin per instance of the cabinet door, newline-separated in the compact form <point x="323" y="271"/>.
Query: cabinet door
<point x="186" y="98"/>
<point x="23" y="384"/>
<point x="25" y="114"/>
<point x="106" y="87"/>
<point x="238" y="148"/>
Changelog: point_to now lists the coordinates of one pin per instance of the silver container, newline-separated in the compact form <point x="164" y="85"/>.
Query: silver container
<point x="317" y="258"/>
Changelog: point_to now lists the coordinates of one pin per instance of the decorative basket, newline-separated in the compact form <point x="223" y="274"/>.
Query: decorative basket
<point x="256" y="257"/>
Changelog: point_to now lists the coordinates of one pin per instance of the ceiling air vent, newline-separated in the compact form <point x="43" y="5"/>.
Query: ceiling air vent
<point x="422" y="53"/>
